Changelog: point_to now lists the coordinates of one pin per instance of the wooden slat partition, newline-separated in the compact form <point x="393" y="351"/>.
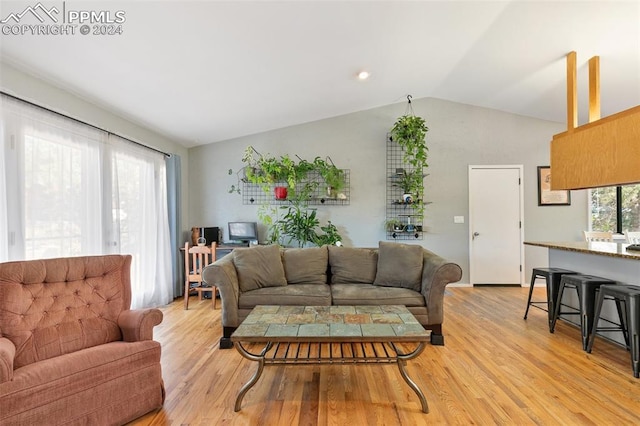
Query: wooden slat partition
<point x="572" y="91"/>
<point x="603" y="153"/>
<point x="594" y="89"/>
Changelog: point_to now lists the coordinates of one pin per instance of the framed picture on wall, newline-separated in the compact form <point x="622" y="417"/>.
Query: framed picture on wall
<point x="547" y="197"/>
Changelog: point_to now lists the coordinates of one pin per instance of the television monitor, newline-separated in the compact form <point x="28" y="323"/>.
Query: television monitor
<point x="243" y="231"/>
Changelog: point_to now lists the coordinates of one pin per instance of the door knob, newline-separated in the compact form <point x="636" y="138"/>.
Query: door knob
<point x="475" y="234"/>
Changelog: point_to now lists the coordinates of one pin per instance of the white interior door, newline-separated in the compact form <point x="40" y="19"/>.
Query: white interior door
<point x="495" y="225"/>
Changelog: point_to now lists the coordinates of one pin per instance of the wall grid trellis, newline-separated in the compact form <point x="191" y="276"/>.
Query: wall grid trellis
<point x="396" y="208"/>
<point x="252" y="194"/>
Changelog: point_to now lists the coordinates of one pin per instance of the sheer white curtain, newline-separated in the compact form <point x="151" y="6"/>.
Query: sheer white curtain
<point x="4" y="224"/>
<point x="141" y="220"/>
<point x="53" y="183"/>
<point x="68" y="189"/>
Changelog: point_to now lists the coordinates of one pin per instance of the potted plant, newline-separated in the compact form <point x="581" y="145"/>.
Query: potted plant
<point x="410" y="181"/>
<point x="409" y="131"/>
<point x="332" y="176"/>
<point x="394" y="225"/>
<point x="267" y="170"/>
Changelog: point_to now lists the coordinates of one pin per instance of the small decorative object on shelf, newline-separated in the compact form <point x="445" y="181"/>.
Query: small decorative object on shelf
<point x="201" y="242"/>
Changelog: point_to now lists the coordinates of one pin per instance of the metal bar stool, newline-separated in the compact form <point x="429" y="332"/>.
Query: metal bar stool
<point x="586" y="287"/>
<point x="552" y="278"/>
<point x="630" y="323"/>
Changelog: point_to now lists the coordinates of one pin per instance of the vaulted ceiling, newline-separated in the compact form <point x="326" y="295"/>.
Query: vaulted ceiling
<point x="201" y="72"/>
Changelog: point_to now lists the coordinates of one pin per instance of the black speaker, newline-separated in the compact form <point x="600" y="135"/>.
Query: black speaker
<point x="211" y="234"/>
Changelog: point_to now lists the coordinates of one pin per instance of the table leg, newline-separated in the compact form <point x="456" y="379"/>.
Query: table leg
<point x="402" y="362"/>
<point x="260" y="359"/>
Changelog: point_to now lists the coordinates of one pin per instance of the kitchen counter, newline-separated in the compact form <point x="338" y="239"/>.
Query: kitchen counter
<point x="597" y="248"/>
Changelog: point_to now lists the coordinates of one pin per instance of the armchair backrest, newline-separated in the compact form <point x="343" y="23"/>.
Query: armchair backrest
<point x="52" y="307"/>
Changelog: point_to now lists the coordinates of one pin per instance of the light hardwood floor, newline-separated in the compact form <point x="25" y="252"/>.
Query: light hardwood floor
<point x="496" y="368"/>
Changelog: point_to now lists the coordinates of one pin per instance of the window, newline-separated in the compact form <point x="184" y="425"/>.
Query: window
<point x="615" y="209"/>
<point x="69" y="189"/>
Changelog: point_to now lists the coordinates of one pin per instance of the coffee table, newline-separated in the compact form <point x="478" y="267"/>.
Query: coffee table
<point x="330" y="335"/>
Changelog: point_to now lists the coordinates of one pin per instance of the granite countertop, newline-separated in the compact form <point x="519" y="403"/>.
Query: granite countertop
<point x="597" y="247"/>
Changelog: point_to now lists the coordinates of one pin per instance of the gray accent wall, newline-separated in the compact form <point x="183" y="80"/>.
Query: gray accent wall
<point x="459" y="135"/>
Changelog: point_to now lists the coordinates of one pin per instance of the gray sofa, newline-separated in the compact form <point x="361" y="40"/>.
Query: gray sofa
<point x="393" y="274"/>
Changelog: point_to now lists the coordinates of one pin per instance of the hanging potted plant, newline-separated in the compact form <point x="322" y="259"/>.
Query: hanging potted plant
<point x="409" y="131"/>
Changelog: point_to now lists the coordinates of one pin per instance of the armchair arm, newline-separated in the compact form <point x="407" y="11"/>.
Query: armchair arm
<point x="222" y="274"/>
<point x="7" y="355"/>
<point x="436" y="274"/>
<point x="137" y="325"/>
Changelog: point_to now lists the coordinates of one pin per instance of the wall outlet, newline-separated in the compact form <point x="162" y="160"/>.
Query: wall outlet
<point x="458" y="219"/>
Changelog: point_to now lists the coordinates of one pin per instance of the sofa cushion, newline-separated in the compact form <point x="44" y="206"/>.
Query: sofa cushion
<point x="306" y="265"/>
<point x="352" y="265"/>
<point x="368" y="294"/>
<point x="293" y="295"/>
<point x="399" y="265"/>
<point x="259" y="266"/>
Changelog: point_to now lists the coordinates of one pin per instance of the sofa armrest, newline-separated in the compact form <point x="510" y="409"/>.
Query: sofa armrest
<point x="222" y="274"/>
<point x="7" y="355"/>
<point x="436" y="274"/>
<point x="137" y="325"/>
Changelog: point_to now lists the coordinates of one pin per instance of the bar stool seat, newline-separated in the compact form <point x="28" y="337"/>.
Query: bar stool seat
<point x="586" y="287"/>
<point x="630" y="322"/>
<point x="552" y="278"/>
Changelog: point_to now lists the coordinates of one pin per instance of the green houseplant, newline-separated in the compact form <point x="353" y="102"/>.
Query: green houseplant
<point x="411" y="183"/>
<point x="394" y="225"/>
<point x="293" y="222"/>
<point x="266" y="170"/>
<point x="409" y="131"/>
<point x="333" y="176"/>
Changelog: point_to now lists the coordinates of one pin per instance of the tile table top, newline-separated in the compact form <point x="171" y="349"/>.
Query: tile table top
<point x="379" y="323"/>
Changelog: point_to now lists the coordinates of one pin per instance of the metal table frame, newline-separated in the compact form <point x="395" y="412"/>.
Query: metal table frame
<point x="291" y="350"/>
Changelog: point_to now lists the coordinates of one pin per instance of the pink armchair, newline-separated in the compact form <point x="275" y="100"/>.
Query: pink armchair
<point x="71" y="350"/>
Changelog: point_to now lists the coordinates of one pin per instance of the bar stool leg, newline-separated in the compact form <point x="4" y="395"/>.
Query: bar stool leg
<point x="633" y="324"/>
<point x="587" y="298"/>
<point x="594" y="327"/>
<point x="533" y="281"/>
<point x="553" y="287"/>
<point x="624" y="322"/>
<point x="556" y="311"/>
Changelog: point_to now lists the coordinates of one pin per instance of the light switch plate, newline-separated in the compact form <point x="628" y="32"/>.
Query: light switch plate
<point x="458" y="219"/>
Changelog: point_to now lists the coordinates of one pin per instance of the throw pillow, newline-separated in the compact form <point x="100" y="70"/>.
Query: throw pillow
<point x="306" y="265"/>
<point x="259" y="266"/>
<point x="399" y="265"/>
<point x="351" y="265"/>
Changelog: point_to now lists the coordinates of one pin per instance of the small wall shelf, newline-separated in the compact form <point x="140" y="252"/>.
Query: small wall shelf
<point x="396" y="207"/>
<point x="253" y="193"/>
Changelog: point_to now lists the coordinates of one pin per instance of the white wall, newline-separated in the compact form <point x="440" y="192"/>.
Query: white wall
<point x="459" y="135"/>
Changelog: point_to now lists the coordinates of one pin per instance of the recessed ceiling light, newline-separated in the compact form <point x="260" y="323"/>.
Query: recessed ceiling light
<point x="363" y="75"/>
